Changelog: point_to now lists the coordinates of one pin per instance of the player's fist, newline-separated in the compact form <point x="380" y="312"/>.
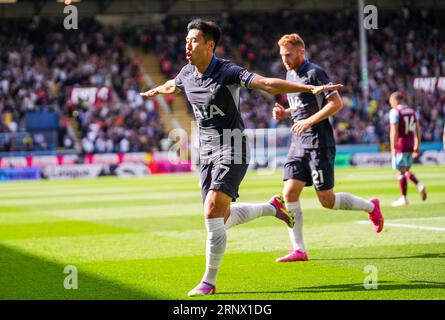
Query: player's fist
<point x="278" y="112"/>
<point x="150" y="93"/>
<point x="326" y="87"/>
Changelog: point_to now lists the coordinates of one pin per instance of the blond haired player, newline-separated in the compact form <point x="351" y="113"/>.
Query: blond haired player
<point x="312" y="152"/>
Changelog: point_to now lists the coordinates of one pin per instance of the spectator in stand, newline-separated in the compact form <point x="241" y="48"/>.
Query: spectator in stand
<point x="40" y="61"/>
<point x="411" y="45"/>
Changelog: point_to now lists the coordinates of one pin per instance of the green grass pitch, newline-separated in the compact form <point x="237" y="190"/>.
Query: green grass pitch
<point x="144" y="238"/>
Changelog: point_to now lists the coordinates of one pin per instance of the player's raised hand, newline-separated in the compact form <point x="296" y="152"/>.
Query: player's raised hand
<point x="326" y="87"/>
<point x="278" y="112"/>
<point x="150" y="93"/>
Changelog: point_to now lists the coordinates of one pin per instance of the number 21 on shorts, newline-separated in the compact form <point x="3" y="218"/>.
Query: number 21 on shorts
<point x="317" y="177"/>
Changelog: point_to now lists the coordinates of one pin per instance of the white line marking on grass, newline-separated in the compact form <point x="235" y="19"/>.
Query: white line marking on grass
<point x="418" y="219"/>
<point x="409" y="226"/>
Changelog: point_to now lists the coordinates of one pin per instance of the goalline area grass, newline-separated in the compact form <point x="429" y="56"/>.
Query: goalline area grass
<point x="144" y="238"/>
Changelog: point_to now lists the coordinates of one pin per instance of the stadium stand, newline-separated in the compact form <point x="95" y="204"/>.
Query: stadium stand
<point x="39" y="67"/>
<point x="410" y="46"/>
<point x="39" y="71"/>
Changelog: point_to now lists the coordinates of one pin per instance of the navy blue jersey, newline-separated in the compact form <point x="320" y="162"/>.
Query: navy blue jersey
<point x="215" y="99"/>
<point x="304" y="104"/>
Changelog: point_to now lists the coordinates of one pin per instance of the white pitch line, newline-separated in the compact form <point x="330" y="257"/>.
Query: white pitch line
<point x="409" y="226"/>
<point x="418" y="219"/>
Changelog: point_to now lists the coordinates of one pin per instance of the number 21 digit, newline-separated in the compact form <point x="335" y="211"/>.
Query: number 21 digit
<point x="317" y="176"/>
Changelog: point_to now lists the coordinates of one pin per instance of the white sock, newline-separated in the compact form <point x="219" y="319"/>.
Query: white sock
<point x="347" y="201"/>
<point x="215" y="247"/>
<point x="243" y="212"/>
<point x="296" y="233"/>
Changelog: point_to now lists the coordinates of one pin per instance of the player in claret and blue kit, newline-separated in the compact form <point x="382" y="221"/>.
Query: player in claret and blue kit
<point x="405" y="136"/>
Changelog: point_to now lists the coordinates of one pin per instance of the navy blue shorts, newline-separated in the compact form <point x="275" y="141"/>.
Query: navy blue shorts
<point x="314" y="166"/>
<point x="224" y="177"/>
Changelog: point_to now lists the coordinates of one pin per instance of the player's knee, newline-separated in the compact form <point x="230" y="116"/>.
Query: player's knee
<point x="214" y="208"/>
<point x="327" y="201"/>
<point x="290" y="195"/>
<point x="212" y="214"/>
<point x="327" y="204"/>
<point x="210" y="211"/>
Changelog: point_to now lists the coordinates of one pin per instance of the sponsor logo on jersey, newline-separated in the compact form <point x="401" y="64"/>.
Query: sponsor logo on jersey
<point x="203" y="112"/>
<point x="295" y="102"/>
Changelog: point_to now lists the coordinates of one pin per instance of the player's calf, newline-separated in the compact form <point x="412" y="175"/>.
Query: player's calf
<point x="346" y="201"/>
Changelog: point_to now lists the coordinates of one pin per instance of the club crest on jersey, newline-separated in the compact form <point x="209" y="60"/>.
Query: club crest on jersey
<point x="204" y="113"/>
<point x="295" y="102"/>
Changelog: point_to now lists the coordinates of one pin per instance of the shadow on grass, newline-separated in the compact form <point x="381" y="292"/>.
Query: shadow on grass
<point x="24" y="276"/>
<point x="421" y="256"/>
<point x="382" y="285"/>
<point x="351" y="287"/>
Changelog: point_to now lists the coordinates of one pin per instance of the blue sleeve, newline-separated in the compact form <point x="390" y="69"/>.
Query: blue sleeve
<point x="393" y="116"/>
<point x="417" y="116"/>
<point x="179" y="79"/>
<point x="321" y="78"/>
<point x="235" y="74"/>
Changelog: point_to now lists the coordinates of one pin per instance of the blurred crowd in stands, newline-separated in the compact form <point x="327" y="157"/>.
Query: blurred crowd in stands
<point x="407" y="44"/>
<point x="40" y="62"/>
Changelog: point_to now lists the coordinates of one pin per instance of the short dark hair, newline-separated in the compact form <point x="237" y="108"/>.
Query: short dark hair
<point x="210" y="29"/>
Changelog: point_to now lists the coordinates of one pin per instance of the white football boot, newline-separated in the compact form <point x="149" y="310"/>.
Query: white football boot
<point x="400" y="202"/>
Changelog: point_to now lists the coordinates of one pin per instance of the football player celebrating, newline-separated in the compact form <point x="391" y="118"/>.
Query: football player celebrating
<point x="312" y="151"/>
<point x="212" y="87"/>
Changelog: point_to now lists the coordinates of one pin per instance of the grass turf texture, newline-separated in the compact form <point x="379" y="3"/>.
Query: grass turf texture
<point x="144" y="238"/>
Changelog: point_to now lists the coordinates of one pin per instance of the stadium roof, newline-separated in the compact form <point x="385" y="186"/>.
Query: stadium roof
<point x="53" y="8"/>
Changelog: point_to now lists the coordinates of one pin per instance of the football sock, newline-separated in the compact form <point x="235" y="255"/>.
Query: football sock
<point x="296" y="233"/>
<point x="411" y="177"/>
<point x="243" y="212"/>
<point x="347" y="201"/>
<point x="403" y="184"/>
<point x="215" y="247"/>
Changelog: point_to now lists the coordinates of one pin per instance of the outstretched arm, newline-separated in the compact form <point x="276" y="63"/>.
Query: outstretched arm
<point x="332" y="107"/>
<point x="167" y="88"/>
<point x="275" y="86"/>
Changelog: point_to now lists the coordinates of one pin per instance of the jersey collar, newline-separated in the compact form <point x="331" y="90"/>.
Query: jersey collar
<point x="209" y="69"/>
<point x="300" y="69"/>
